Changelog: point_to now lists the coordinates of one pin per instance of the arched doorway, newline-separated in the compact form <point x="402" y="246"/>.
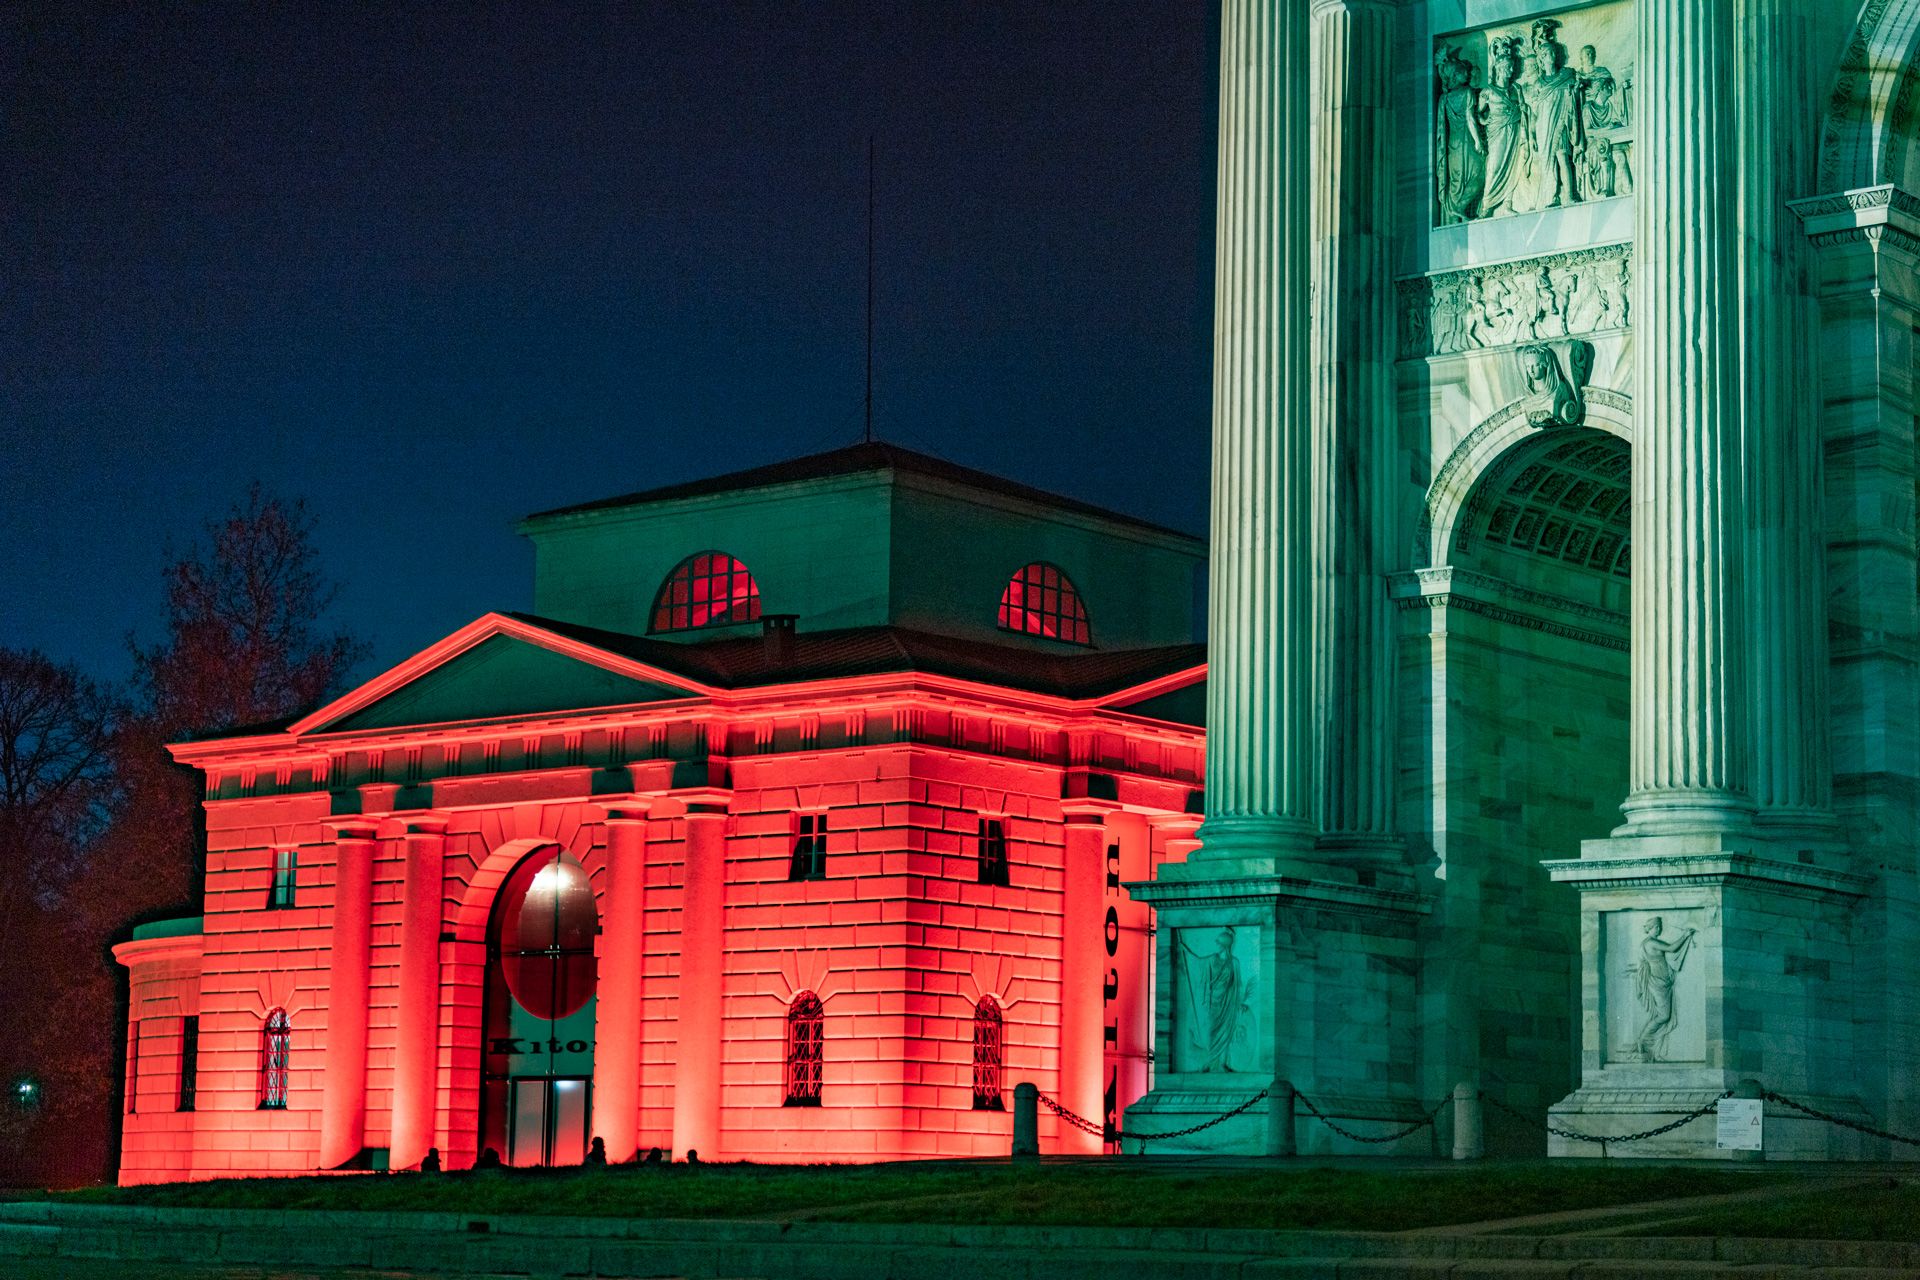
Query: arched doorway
<point x="537" y="1068"/>
<point x="1531" y="676"/>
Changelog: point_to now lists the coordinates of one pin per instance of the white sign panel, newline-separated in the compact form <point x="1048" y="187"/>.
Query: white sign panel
<point x="1740" y="1120"/>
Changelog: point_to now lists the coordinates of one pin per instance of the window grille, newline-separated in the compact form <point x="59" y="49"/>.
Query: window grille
<point x="276" y="1043"/>
<point x="988" y="1042"/>
<point x="286" y="878"/>
<point x="710" y="589"/>
<point x="993" y="851"/>
<point x="189" y="1064"/>
<point x="805" y="1024"/>
<point x="810" y="849"/>
<point x="1040" y="601"/>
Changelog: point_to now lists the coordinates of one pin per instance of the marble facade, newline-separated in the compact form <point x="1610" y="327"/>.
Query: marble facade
<point x="1564" y="685"/>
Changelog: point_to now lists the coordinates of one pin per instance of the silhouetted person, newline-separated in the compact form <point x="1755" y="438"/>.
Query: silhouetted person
<point x="597" y="1153"/>
<point x="431" y="1162"/>
<point x="654" y="1156"/>
<point x="489" y="1160"/>
<point x="693" y="1157"/>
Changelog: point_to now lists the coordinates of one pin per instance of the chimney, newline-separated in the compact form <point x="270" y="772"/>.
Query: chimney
<point x="776" y="636"/>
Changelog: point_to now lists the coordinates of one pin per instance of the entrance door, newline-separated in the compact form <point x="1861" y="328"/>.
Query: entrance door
<point x="549" y="1121"/>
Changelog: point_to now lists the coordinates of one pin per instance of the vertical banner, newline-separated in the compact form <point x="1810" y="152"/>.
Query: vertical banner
<point x="1126" y="996"/>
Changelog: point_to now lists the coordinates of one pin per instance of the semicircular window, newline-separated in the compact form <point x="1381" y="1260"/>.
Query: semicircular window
<point x="1041" y="601"/>
<point x="710" y="589"/>
<point x="1570" y="503"/>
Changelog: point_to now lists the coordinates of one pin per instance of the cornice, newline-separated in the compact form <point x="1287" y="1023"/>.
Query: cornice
<point x="1501" y="601"/>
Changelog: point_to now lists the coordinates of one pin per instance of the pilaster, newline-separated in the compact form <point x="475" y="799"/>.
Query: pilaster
<point x="416" y="1067"/>
<point x="343" y="1090"/>
<point x="617" y="1014"/>
<point x="1081" y="971"/>
<point x="697" y="1058"/>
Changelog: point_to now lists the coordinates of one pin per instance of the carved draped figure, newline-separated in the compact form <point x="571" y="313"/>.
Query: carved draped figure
<point x="1503" y="119"/>
<point x="1553" y="102"/>
<point x="1458" y="145"/>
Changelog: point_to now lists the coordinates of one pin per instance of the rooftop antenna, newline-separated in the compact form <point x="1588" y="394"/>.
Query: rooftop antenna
<point x="868" y="436"/>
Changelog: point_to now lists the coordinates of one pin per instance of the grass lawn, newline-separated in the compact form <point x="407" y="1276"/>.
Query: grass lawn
<point x="1059" y="1195"/>
<point x="1889" y="1211"/>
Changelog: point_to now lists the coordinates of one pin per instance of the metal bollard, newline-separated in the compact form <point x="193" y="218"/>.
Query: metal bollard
<point x="1469" y="1141"/>
<point x="1026" y="1122"/>
<point x="1280" y="1137"/>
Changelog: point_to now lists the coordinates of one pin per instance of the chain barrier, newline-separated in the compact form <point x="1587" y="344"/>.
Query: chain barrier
<point x="1574" y="1135"/>
<point x="1100" y="1130"/>
<point x="1422" y="1123"/>
<point x="1842" y="1121"/>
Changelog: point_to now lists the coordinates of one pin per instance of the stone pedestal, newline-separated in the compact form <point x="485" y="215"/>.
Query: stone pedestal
<point x="1708" y="960"/>
<point x="1272" y="980"/>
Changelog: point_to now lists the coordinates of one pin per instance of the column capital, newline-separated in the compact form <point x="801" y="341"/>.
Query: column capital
<point x="421" y="828"/>
<point x="345" y="829"/>
<point x="624" y="809"/>
<point x="1083" y="811"/>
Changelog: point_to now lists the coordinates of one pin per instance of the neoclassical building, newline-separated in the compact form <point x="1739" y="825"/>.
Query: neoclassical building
<point x="1562" y="701"/>
<point x="792" y="825"/>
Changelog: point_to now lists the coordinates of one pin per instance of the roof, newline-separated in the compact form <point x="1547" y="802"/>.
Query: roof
<point x="860" y="651"/>
<point x="855" y="460"/>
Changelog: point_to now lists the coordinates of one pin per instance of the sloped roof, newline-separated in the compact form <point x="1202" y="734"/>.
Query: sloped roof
<point x="819" y="655"/>
<point x="854" y="460"/>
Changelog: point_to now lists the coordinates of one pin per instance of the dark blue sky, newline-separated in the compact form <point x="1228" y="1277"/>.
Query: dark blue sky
<point x="435" y="266"/>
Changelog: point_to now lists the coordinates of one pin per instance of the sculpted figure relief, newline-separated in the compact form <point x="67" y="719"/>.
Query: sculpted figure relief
<point x="1218" y="994"/>
<point x="1535" y="129"/>
<point x="1562" y="295"/>
<point x="1660" y="962"/>
<point x="1554" y="396"/>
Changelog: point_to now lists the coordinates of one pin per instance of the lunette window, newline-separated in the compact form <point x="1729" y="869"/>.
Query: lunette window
<point x="1041" y="601"/>
<point x="710" y="589"/>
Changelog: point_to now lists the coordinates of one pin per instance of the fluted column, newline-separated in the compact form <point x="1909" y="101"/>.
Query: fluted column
<point x="1690" y="759"/>
<point x="617" y="1012"/>
<point x="1259" y="724"/>
<point x="1786" y="569"/>
<point x="416" y="1058"/>
<point x="1353" y="406"/>
<point x="343" y="1089"/>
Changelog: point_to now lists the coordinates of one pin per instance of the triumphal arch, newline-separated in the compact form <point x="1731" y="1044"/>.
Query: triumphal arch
<point x="1562" y="695"/>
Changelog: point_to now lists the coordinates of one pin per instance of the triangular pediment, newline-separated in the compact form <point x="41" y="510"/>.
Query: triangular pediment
<point x="496" y="669"/>
<point x="1179" y="700"/>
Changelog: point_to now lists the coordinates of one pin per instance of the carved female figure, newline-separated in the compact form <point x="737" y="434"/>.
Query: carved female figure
<point x="1220" y="995"/>
<point x="1660" y="963"/>
<point x="1503" y="123"/>
<point x="1553" y="106"/>
<point x="1459" y="147"/>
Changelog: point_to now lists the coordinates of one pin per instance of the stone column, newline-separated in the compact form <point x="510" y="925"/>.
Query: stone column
<point x="416" y="1059"/>
<point x="343" y="1090"/>
<point x="1354" y="440"/>
<point x="1690" y="768"/>
<point x="1081" y="970"/>
<point x="1786" y="569"/>
<point x="1259" y="694"/>
<point x="617" y="1013"/>
<point x="696" y="1076"/>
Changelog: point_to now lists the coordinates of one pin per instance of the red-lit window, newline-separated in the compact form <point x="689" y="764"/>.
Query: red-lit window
<point x="1040" y="601"/>
<point x="809" y="849"/>
<point x="805" y="1022"/>
<point x="993" y="851"/>
<point x="133" y="1067"/>
<point x="988" y="1037"/>
<point x="276" y="1045"/>
<point x="711" y="589"/>
<point x="286" y="878"/>
<point x="189" y="1065"/>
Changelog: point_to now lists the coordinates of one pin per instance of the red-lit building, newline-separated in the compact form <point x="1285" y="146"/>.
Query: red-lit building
<point x="791" y="825"/>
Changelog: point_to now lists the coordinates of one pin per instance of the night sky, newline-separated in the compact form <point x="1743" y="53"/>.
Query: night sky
<point x="435" y="266"/>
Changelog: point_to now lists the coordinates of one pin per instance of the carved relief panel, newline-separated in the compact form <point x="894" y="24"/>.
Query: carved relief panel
<point x="1652" y="974"/>
<point x="1533" y="115"/>
<point x="1216" y="1023"/>
<point x="1560" y="295"/>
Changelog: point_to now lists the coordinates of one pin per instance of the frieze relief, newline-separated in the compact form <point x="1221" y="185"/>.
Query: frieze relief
<point x="1561" y="295"/>
<point x="1534" y="115"/>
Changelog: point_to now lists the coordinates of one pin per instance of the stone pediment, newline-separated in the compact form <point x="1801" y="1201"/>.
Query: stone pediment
<point x="494" y="669"/>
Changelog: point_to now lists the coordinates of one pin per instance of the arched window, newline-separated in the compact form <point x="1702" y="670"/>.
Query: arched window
<point x="1041" y="601"/>
<point x="805" y="1021"/>
<point x="987" y="1041"/>
<point x="710" y="589"/>
<point x="276" y="1043"/>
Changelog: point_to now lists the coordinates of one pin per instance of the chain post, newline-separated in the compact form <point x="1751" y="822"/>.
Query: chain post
<point x="1026" y="1122"/>
<point x="1281" y="1140"/>
<point x="1469" y="1140"/>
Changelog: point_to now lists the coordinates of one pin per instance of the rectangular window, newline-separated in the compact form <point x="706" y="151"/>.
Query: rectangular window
<point x="286" y="878"/>
<point x="189" y="1063"/>
<point x="133" y="1067"/>
<point x="993" y="851"/>
<point x="810" y="849"/>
